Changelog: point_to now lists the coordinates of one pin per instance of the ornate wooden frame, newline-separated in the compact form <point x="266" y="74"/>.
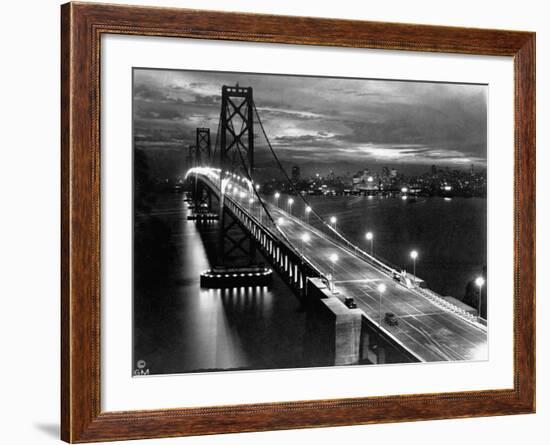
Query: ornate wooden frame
<point x="81" y="28"/>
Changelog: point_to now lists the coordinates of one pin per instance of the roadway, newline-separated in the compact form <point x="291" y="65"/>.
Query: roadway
<point x="430" y="331"/>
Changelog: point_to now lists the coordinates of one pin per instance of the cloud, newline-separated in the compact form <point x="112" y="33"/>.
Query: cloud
<point x="295" y="114"/>
<point x="349" y="121"/>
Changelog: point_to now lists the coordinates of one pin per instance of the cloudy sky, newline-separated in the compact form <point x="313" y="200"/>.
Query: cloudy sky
<point x="318" y="123"/>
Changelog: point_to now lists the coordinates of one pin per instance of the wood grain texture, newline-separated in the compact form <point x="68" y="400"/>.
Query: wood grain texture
<point x="82" y="26"/>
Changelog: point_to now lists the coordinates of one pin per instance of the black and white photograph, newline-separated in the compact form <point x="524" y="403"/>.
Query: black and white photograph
<point x="284" y="221"/>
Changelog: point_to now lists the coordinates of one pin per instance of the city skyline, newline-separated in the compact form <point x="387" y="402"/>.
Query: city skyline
<point x="314" y="122"/>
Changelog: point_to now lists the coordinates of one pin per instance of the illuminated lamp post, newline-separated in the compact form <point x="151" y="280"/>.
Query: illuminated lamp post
<point x="480" y="281"/>
<point x="333" y="259"/>
<point x="370" y="237"/>
<point x="414" y="256"/>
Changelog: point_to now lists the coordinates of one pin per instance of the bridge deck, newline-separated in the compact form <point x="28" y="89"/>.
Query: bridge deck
<point x="431" y="332"/>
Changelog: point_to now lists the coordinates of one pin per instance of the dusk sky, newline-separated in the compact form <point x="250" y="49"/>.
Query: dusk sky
<point x="318" y="123"/>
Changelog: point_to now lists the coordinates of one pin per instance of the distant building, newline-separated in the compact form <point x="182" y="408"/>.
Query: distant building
<point x="434" y="170"/>
<point x="295" y="174"/>
<point x="472" y="169"/>
<point x="393" y="173"/>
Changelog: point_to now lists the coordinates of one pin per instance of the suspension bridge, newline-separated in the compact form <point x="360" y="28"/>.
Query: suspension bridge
<point x="378" y="314"/>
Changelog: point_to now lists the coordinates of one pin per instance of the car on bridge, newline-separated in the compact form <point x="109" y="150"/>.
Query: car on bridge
<point x="391" y="319"/>
<point x="350" y="303"/>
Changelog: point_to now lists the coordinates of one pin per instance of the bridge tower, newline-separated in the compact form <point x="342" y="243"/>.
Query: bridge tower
<point x="202" y="146"/>
<point x="237" y="265"/>
<point x="237" y="130"/>
<point x="201" y="154"/>
<point x="237" y="156"/>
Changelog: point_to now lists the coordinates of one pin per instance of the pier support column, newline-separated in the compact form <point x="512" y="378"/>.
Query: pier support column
<point x="345" y="323"/>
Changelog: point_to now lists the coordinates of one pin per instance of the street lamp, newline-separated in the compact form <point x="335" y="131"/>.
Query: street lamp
<point x="479" y="283"/>
<point x="307" y="210"/>
<point x="414" y="256"/>
<point x="381" y="290"/>
<point x="333" y="221"/>
<point x="250" y="201"/>
<point x="277" y="195"/>
<point x="305" y="239"/>
<point x="243" y="194"/>
<point x="333" y="259"/>
<point x="280" y="221"/>
<point x="369" y="236"/>
<point x="290" y="202"/>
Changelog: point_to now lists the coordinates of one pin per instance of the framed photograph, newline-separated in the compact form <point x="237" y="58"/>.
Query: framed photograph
<point x="275" y="222"/>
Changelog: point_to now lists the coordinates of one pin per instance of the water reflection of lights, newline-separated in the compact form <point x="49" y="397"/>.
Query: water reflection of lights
<point x="247" y="298"/>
